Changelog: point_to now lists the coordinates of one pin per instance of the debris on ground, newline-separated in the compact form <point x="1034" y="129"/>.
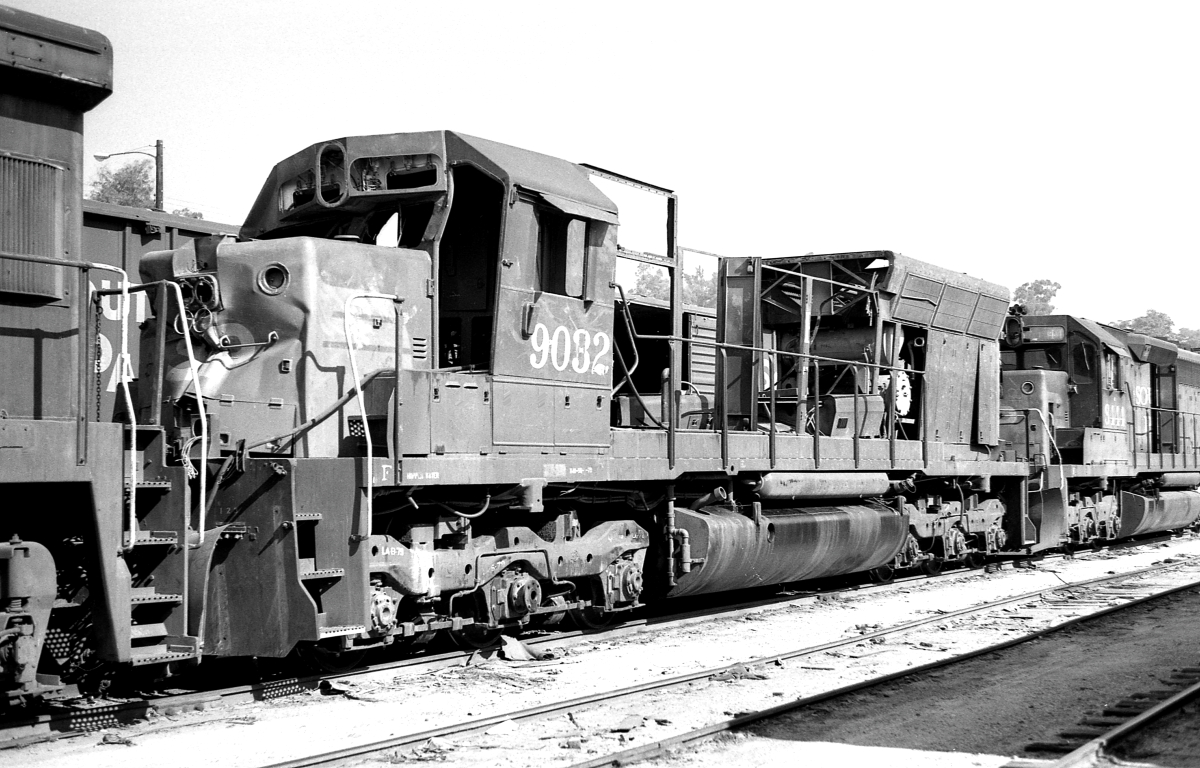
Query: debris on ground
<point x="432" y="751"/>
<point x="627" y="724"/>
<point x="347" y="688"/>
<point x="513" y="649"/>
<point x="738" y="673"/>
<point x="113" y="738"/>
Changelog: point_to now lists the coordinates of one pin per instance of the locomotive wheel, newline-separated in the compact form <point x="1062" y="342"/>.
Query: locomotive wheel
<point x="974" y="559"/>
<point x="591" y="618"/>
<point x="932" y="566"/>
<point x="884" y="574"/>
<point x="327" y="660"/>
<point x="1097" y="544"/>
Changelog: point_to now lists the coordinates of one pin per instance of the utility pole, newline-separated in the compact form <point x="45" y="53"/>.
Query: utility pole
<point x="158" y="169"/>
<point x="158" y="175"/>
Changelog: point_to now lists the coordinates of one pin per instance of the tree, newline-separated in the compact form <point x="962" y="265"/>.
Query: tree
<point x="1036" y="296"/>
<point x="188" y="212"/>
<point x="1153" y="323"/>
<point x="1188" y="338"/>
<point x="650" y="280"/>
<point x="700" y="288"/>
<point x="132" y="184"/>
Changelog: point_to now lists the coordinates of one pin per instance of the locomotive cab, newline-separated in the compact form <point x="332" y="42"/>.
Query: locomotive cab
<point x="1086" y="385"/>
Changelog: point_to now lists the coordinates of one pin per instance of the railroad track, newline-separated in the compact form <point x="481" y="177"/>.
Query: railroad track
<point x="1055" y="598"/>
<point x="1141" y="712"/>
<point x="77" y="721"/>
<point x="82" y="719"/>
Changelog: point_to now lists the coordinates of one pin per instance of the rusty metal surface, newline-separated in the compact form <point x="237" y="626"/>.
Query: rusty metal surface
<point x="306" y="367"/>
<point x="1169" y="511"/>
<point x="739" y="552"/>
<point x="56" y="61"/>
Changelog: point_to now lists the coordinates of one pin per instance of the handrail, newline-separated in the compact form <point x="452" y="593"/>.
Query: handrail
<point x="194" y="371"/>
<point x="126" y="370"/>
<point x="362" y="403"/>
<point x="325" y="414"/>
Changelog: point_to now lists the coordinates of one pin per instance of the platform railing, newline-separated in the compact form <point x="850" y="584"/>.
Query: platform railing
<point x="805" y="359"/>
<point x="1185" y="426"/>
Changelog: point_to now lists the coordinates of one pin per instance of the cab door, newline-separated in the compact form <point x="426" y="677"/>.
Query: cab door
<point x="1084" y="367"/>
<point x="554" y="350"/>
<point x="1132" y="393"/>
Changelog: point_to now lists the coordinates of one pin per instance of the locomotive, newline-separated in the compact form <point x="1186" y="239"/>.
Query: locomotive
<point x="413" y="397"/>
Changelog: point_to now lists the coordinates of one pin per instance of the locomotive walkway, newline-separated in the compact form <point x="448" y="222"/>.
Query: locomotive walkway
<point x="808" y="637"/>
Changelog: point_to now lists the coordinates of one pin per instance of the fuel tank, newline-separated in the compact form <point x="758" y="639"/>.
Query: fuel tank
<point x="730" y="550"/>
<point x="1166" y="512"/>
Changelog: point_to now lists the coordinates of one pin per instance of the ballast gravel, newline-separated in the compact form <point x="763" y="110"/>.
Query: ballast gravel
<point x="388" y="704"/>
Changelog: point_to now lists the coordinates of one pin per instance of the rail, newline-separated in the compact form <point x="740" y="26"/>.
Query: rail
<point x="362" y="405"/>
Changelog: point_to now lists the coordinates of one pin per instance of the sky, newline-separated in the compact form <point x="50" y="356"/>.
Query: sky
<point x="1013" y="141"/>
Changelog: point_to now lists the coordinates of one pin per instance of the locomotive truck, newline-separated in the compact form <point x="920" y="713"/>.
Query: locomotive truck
<point x="413" y="397"/>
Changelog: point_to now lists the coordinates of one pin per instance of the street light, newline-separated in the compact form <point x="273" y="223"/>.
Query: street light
<point x="158" y="169"/>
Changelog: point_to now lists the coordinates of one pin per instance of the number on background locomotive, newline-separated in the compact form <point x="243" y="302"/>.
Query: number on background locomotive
<point x="414" y="397"/>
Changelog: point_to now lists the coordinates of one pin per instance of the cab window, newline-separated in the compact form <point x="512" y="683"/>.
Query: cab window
<point x="562" y="241"/>
<point x="1084" y="367"/>
<point x="1044" y="358"/>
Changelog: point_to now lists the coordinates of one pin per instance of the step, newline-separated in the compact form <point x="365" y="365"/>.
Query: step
<point x="348" y="629"/>
<point x="323" y="573"/>
<point x="147" y="595"/>
<point x="144" y="631"/>
<point x="161" y="654"/>
<point x="154" y="485"/>
<point x="306" y="516"/>
<point x="156" y="537"/>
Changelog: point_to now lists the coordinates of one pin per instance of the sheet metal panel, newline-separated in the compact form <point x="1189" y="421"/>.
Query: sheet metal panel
<point x="987" y="395"/>
<point x="786" y="546"/>
<point x="1169" y="511"/>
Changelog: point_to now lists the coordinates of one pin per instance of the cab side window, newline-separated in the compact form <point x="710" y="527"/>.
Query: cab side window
<point x="562" y="245"/>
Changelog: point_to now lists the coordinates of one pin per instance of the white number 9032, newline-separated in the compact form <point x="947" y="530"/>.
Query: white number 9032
<point x="582" y="351"/>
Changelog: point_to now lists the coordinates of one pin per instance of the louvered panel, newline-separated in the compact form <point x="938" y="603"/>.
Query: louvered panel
<point x="30" y="224"/>
<point x="702" y="359"/>
<point x="918" y="300"/>
<point x="989" y="317"/>
<point x="955" y="309"/>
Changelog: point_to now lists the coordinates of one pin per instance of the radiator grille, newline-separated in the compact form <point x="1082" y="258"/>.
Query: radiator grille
<point x="30" y="224"/>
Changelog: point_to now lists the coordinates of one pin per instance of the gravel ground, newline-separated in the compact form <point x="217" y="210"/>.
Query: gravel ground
<point x="388" y="704"/>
